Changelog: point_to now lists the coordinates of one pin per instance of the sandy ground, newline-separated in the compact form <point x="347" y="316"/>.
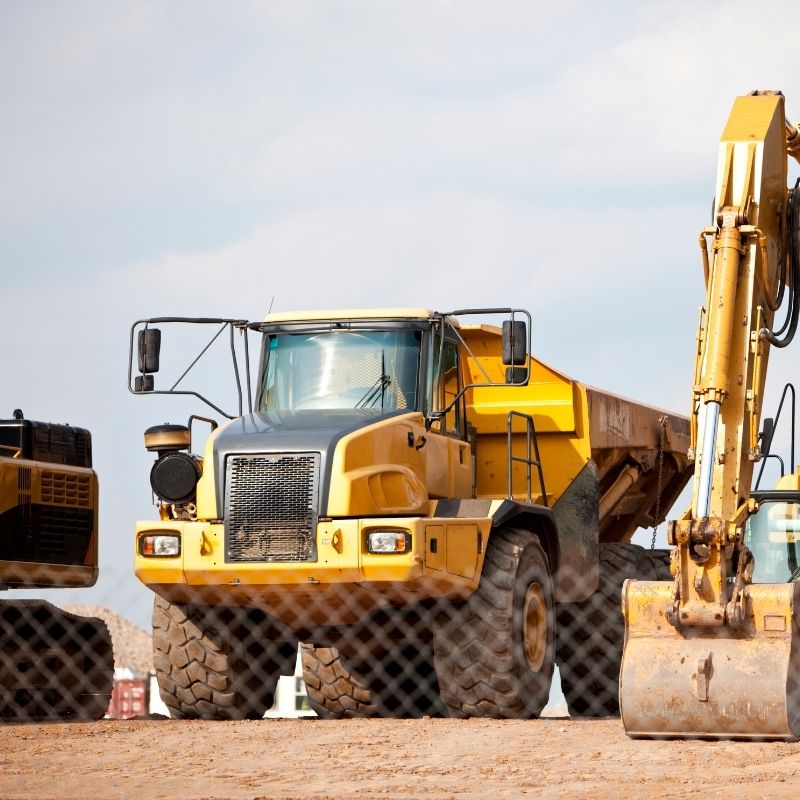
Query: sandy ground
<point x="431" y="758"/>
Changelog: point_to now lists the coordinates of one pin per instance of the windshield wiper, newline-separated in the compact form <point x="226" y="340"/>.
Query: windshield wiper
<point x="380" y="385"/>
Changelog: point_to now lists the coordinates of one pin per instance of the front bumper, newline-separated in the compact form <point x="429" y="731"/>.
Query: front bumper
<point x="444" y="560"/>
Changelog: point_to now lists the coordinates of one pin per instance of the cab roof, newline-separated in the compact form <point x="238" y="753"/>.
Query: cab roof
<point x="344" y="314"/>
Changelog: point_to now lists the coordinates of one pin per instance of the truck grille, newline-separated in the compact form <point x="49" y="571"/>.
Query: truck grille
<point x="271" y="507"/>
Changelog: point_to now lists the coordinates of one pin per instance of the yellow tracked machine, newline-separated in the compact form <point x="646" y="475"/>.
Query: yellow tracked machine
<point x="435" y="514"/>
<point x="53" y="665"/>
<point x="714" y="653"/>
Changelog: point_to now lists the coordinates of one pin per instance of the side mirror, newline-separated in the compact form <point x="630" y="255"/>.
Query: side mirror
<point x="516" y="376"/>
<point x="767" y="432"/>
<point x="515" y="343"/>
<point x="149" y="350"/>
<point x="143" y="383"/>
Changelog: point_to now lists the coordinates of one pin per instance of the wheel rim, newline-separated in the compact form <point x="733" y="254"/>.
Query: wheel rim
<point x="535" y="630"/>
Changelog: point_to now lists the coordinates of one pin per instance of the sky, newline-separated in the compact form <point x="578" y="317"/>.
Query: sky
<point x="200" y="158"/>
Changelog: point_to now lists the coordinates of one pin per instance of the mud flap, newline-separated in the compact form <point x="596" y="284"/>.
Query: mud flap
<point x="711" y="682"/>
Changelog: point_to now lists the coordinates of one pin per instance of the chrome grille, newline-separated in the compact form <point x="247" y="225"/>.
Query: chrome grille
<point x="271" y="507"/>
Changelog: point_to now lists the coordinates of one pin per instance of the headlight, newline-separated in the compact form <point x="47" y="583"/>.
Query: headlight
<point x="388" y="541"/>
<point x="163" y="545"/>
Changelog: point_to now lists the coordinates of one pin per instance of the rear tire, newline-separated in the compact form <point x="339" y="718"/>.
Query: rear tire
<point x="216" y="662"/>
<point x="494" y="652"/>
<point x="591" y="633"/>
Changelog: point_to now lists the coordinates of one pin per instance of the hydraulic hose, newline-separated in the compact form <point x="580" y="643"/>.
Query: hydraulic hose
<point x="785" y="334"/>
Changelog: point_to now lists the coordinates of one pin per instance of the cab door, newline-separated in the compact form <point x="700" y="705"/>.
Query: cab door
<point x="449" y="458"/>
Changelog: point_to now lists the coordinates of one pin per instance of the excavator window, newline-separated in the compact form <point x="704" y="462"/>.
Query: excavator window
<point x="773" y="536"/>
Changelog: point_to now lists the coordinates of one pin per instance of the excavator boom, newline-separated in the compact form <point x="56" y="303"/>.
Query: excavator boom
<point x="713" y="654"/>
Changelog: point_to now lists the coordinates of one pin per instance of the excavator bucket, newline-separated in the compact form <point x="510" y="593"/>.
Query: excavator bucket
<point x="711" y="682"/>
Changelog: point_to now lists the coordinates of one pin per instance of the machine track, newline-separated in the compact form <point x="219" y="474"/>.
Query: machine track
<point x="217" y="662"/>
<point x="53" y="665"/>
<point x="494" y="653"/>
<point x="591" y="633"/>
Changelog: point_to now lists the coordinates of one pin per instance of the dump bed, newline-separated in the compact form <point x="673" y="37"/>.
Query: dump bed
<point x="636" y="454"/>
<point x="642" y="457"/>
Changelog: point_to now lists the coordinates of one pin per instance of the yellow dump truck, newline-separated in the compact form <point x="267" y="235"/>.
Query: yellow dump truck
<point x="53" y="665"/>
<point x="414" y="498"/>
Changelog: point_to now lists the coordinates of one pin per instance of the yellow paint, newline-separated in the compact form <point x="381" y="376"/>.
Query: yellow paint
<point x="206" y="497"/>
<point x="462" y="549"/>
<point x="342" y="556"/>
<point x="790" y="482"/>
<point x="27" y="574"/>
<point x="381" y="470"/>
<point x="350" y="313"/>
<point x="24" y="481"/>
<point x="557" y="404"/>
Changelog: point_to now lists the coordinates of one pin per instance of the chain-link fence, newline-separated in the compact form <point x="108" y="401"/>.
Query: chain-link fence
<point x="364" y="651"/>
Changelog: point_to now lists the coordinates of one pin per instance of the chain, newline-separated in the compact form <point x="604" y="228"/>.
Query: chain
<point x="661" y="434"/>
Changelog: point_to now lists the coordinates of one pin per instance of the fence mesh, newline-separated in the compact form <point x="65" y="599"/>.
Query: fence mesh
<point x="348" y="650"/>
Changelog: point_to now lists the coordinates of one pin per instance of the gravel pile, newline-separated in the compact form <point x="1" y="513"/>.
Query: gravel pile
<point x="133" y="648"/>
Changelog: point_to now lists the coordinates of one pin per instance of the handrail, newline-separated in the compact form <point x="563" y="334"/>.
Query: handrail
<point x="15" y="449"/>
<point x="788" y="389"/>
<point x="531" y="441"/>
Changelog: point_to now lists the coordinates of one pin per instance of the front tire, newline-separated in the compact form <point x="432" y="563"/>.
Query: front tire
<point x="217" y="662"/>
<point x="396" y="683"/>
<point x="494" y="652"/>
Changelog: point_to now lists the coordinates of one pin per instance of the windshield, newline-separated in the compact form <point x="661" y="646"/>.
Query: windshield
<point x="375" y="370"/>
<point x="773" y="534"/>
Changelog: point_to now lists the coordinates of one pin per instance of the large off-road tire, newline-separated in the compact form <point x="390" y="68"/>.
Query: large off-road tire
<point x="53" y="665"/>
<point x="396" y="683"/>
<point x="591" y="633"/>
<point x="494" y="652"/>
<point x="215" y="662"/>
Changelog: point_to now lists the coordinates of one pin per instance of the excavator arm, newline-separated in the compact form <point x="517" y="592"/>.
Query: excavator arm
<point x="713" y="654"/>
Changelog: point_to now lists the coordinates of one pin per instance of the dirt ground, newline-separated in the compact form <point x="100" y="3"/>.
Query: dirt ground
<point x="431" y="758"/>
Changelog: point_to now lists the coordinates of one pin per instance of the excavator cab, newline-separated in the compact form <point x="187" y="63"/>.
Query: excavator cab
<point x="772" y="534"/>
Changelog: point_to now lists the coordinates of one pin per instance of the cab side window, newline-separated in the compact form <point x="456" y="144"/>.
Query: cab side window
<point x="445" y="385"/>
<point x="450" y="385"/>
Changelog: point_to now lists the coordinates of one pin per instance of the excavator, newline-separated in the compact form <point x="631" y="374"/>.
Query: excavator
<point x="714" y="653"/>
<point x="54" y="665"/>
